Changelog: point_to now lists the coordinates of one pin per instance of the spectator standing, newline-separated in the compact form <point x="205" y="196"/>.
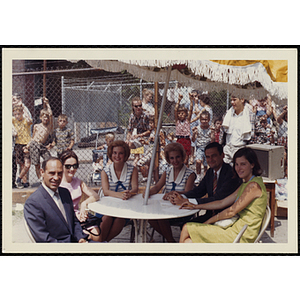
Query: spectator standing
<point x="41" y="131"/>
<point x="237" y="126"/>
<point x="203" y="136"/>
<point x="63" y="136"/>
<point x="183" y="126"/>
<point x="22" y="122"/>
<point x="138" y="127"/>
<point x="146" y="102"/>
<point x="217" y="131"/>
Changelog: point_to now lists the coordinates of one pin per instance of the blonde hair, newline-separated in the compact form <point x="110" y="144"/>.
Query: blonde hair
<point x="44" y="112"/>
<point x="18" y="108"/>
<point x="174" y="147"/>
<point x="146" y="92"/>
<point x="110" y="135"/>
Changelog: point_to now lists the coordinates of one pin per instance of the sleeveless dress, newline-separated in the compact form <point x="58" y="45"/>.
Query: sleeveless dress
<point x="252" y="215"/>
<point x="125" y="178"/>
<point x="122" y="184"/>
<point x="180" y="182"/>
<point x="75" y="191"/>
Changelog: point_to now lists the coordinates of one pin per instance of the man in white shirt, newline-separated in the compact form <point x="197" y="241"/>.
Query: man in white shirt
<point x="237" y="126"/>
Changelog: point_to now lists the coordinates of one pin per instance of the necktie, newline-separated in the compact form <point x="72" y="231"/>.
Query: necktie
<point x="215" y="183"/>
<point x="173" y="186"/>
<point x="119" y="183"/>
<point x="60" y="205"/>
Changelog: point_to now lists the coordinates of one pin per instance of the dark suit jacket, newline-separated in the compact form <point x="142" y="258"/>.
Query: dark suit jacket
<point x="226" y="185"/>
<point x="45" y="220"/>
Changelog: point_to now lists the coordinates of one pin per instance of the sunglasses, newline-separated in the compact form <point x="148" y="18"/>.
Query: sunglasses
<point x="136" y="106"/>
<point x="75" y="166"/>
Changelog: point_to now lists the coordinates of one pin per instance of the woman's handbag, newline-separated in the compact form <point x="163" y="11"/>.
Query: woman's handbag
<point x="227" y="222"/>
<point x="91" y="221"/>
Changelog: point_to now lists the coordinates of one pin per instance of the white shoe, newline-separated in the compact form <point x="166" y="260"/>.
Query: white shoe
<point x="144" y="179"/>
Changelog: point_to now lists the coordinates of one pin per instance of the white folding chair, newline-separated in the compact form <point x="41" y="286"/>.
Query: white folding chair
<point x="238" y="237"/>
<point x="264" y="224"/>
<point x="29" y="232"/>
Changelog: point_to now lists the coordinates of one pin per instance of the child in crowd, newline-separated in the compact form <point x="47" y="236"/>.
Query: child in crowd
<point x="183" y="126"/>
<point x="63" y="136"/>
<point x="14" y="164"/>
<point x="263" y="131"/>
<point x="102" y="161"/>
<point x="262" y="107"/>
<point x="217" y="131"/>
<point x="22" y="122"/>
<point x="144" y="162"/>
<point x="194" y="96"/>
<point x="41" y="132"/>
<point x="202" y="135"/>
<point x="283" y="134"/>
<point x="146" y="102"/>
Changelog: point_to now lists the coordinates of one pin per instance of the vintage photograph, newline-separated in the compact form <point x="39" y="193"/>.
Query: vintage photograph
<point x="149" y="150"/>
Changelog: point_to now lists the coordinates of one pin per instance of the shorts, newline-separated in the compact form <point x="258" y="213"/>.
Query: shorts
<point x="36" y="151"/>
<point x="20" y="155"/>
<point x="200" y="155"/>
<point x="186" y="143"/>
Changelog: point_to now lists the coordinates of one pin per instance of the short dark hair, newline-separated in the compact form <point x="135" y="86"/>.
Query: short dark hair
<point x="251" y="156"/>
<point x="44" y="163"/>
<point x="68" y="154"/>
<point x="205" y="98"/>
<point x="214" y="145"/>
<point x="219" y="118"/>
<point x="205" y="113"/>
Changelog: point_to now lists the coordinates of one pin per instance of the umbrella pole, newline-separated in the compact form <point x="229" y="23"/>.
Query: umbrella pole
<point x="157" y="135"/>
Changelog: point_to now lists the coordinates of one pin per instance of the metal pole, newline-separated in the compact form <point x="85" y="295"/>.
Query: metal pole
<point x="44" y="79"/>
<point x="157" y="135"/>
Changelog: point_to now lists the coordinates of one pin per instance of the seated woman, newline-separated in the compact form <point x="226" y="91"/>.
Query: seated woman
<point x="76" y="188"/>
<point x="178" y="178"/>
<point x="119" y="180"/>
<point x="249" y="201"/>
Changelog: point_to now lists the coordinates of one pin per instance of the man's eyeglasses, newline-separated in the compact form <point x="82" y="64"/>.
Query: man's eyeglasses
<point x="136" y="106"/>
<point x="75" y="166"/>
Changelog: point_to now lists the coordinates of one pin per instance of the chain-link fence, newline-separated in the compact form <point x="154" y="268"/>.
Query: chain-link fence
<point x="96" y="104"/>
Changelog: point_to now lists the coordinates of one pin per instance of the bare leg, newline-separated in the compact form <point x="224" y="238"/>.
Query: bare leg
<point x="116" y="228"/>
<point x="105" y="226"/>
<point x="184" y="236"/>
<point x="198" y="167"/>
<point x="37" y="170"/>
<point x="163" y="227"/>
<point x="24" y="169"/>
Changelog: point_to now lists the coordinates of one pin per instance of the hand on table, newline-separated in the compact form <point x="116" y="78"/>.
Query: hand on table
<point x="187" y="205"/>
<point x="127" y="194"/>
<point x="175" y="198"/>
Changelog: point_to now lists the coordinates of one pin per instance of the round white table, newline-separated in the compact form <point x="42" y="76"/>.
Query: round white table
<point x="134" y="209"/>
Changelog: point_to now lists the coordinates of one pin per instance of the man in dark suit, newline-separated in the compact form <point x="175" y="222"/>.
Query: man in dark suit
<point x="49" y="210"/>
<point x="217" y="184"/>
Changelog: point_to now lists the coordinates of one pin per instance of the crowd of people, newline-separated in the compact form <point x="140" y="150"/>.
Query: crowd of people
<point x="226" y="181"/>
